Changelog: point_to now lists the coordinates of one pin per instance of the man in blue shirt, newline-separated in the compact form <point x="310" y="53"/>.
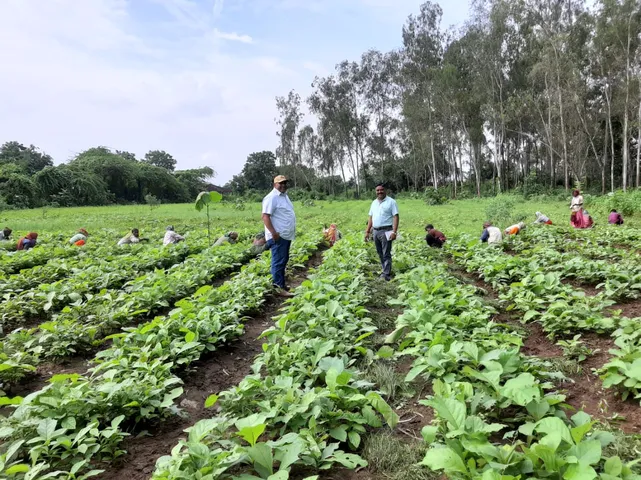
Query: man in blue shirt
<point x="280" y="230"/>
<point x="383" y="225"/>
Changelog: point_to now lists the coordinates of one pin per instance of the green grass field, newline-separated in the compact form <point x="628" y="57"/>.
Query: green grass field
<point x="464" y="216"/>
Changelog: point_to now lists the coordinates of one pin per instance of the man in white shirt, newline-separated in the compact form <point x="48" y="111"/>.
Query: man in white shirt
<point x="383" y="223"/>
<point x="280" y="230"/>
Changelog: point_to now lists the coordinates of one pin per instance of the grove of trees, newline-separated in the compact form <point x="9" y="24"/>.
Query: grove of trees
<point x="98" y="176"/>
<point x="539" y="92"/>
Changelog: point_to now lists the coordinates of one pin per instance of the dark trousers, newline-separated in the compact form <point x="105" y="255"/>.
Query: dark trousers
<point x="280" y="257"/>
<point x="384" y="250"/>
<point x="434" y="242"/>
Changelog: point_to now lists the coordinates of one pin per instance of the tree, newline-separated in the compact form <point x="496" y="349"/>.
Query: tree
<point x="161" y="159"/>
<point x="30" y="159"/>
<point x="127" y="155"/>
<point x="259" y="171"/>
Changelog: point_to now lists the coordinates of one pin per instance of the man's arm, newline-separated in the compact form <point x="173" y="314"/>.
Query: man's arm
<point x="369" y="228"/>
<point x="267" y="220"/>
<point x="485" y="236"/>
<point x="394" y="227"/>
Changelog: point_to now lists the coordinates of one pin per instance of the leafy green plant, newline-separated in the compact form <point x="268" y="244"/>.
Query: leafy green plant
<point x="204" y="200"/>
<point x="575" y="349"/>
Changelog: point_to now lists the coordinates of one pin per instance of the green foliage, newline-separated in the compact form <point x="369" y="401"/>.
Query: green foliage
<point x="501" y="210"/>
<point x="161" y="159"/>
<point x="152" y="201"/>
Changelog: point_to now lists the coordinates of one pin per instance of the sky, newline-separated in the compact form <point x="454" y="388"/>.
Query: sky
<point x="196" y="78"/>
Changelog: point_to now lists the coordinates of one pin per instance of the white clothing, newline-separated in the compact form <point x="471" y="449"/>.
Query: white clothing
<point x="281" y="211"/>
<point x="540" y="218"/>
<point x="171" y="237"/>
<point x="126" y="240"/>
<point x="495" y="235"/>
<point x="577" y="203"/>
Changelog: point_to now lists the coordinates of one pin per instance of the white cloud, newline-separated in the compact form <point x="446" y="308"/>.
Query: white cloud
<point x="73" y="78"/>
<point x="233" y="36"/>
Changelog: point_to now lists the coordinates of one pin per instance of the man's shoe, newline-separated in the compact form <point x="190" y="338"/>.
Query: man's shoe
<point x="281" y="292"/>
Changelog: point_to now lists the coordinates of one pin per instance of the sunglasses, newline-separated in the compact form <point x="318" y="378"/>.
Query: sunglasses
<point x="283" y="183"/>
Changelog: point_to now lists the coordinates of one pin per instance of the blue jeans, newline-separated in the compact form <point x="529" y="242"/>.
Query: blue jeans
<point x="280" y="257"/>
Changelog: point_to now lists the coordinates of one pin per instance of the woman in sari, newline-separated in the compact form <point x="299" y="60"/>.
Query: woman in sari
<point x="579" y="218"/>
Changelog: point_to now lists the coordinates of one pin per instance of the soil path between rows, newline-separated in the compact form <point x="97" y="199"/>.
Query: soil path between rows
<point x="212" y="374"/>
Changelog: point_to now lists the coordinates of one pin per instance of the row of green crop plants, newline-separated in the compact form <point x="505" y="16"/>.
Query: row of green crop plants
<point x="306" y="405"/>
<point x="69" y="427"/>
<point x="93" y="274"/>
<point x="499" y="415"/>
<point x="81" y="327"/>
<point x="532" y="283"/>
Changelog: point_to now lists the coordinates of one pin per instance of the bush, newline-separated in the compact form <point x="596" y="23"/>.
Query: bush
<point x="501" y="210"/>
<point x="435" y="197"/>
<point x="626" y="203"/>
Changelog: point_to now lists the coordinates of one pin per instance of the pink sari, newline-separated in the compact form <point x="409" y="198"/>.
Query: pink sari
<point x="580" y="220"/>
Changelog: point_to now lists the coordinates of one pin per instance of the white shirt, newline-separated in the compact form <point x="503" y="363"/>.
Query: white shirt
<point x="129" y="238"/>
<point x="577" y="203"/>
<point x="281" y="211"/>
<point x="171" y="237"/>
<point x="383" y="212"/>
<point x="495" y="235"/>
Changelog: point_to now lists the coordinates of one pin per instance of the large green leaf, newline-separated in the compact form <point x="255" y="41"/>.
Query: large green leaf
<point x="444" y="459"/>
<point x="451" y="410"/>
<point x="522" y="390"/>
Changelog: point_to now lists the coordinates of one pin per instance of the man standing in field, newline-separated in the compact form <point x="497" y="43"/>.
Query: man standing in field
<point x="383" y="224"/>
<point x="280" y="230"/>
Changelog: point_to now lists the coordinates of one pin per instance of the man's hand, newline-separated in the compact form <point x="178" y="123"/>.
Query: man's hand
<point x="276" y="237"/>
<point x="367" y="234"/>
<point x="392" y="236"/>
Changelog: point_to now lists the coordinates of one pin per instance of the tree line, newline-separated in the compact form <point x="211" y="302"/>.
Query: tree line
<point x="545" y="93"/>
<point x="97" y="176"/>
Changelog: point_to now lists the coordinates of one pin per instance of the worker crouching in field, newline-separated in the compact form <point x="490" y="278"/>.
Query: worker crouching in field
<point x="542" y="219"/>
<point x="5" y="234"/>
<point x="434" y="238"/>
<point x="131" y="237"/>
<point x="171" y="237"/>
<point x="332" y="234"/>
<point x="28" y="242"/>
<point x="231" y="237"/>
<point x="491" y="234"/>
<point x="80" y="238"/>
<point x="259" y="244"/>
<point x="615" y="218"/>
<point x="515" y="229"/>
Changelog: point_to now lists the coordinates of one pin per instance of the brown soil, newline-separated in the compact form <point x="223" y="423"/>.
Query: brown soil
<point x="212" y="374"/>
<point x="585" y="391"/>
<point x="537" y="344"/>
<point x="44" y="373"/>
<point x="589" y="289"/>
<point x="631" y="309"/>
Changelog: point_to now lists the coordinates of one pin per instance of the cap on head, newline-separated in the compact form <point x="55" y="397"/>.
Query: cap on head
<point x="170" y="228"/>
<point x="280" y="179"/>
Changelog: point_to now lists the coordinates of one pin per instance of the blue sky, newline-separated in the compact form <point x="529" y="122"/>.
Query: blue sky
<point x="196" y="78"/>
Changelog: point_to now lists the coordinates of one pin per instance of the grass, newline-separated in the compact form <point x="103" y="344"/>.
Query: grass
<point x="464" y="216"/>
<point x="396" y="459"/>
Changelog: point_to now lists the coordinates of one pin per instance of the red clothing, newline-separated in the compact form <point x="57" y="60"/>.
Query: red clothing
<point x="580" y="220"/>
<point x="434" y="238"/>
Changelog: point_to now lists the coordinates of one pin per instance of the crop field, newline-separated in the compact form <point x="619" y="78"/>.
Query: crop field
<point x="491" y="362"/>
